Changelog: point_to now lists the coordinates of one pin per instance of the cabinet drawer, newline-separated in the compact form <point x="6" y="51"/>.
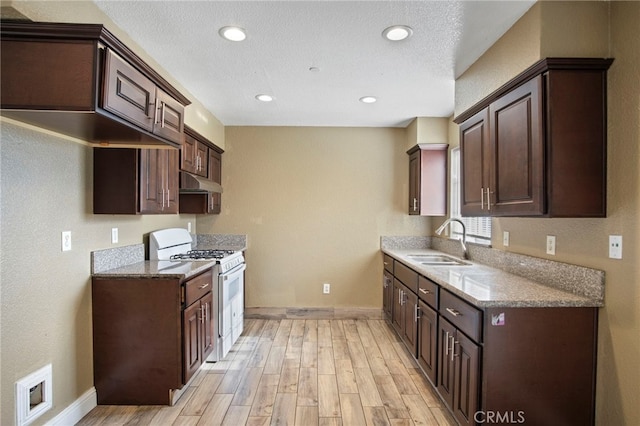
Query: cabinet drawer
<point x="388" y="263"/>
<point x="197" y="287"/>
<point x="464" y="316"/>
<point x="428" y="291"/>
<point x="406" y="275"/>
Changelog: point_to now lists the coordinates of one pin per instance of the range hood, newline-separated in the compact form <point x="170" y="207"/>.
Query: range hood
<point x="190" y="183"/>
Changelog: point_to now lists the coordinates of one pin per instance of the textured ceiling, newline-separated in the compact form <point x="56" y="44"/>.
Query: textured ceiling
<point x="410" y="78"/>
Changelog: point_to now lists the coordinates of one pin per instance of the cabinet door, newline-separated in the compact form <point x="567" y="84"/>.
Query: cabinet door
<point x="128" y="93"/>
<point x="410" y="329"/>
<point x="466" y="355"/>
<point x="427" y="341"/>
<point x="158" y="181"/>
<point x="202" y="160"/>
<point x="414" y="183"/>
<point x="517" y="177"/>
<point x="475" y="163"/>
<point x="152" y="192"/>
<point x="169" y="117"/>
<point x="192" y="341"/>
<point x="387" y="294"/>
<point x="446" y="370"/>
<point x="398" y="306"/>
<point x="206" y="304"/>
<point x="188" y="154"/>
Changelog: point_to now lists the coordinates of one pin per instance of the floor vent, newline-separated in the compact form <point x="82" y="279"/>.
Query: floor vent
<point x="34" y="395"/>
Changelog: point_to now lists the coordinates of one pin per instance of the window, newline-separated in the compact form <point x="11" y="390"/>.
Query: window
<point x="478" y="228"/>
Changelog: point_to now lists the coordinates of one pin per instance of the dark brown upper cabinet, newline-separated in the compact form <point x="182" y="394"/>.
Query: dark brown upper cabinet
<point x="199" y="156"/>
<point x="81" y="81"/>
<point x="537" y="146"/>
<point x="428" y="179"/>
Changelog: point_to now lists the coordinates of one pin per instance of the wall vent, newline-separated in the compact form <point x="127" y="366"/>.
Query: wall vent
<point x="34" y="395"/>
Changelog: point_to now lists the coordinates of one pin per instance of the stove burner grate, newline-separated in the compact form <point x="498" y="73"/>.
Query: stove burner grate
<point x="202" y="254"/>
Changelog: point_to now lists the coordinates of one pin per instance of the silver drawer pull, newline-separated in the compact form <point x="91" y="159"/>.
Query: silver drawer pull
<point x="203" y="286"/>
<point x="453" y="312"/>
<point x="423" y="291"/>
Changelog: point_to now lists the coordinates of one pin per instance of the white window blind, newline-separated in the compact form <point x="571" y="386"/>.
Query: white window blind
<point x="478" y="228"/>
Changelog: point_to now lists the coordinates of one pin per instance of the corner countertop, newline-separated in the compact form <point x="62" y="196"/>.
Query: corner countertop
<point x="487" y="287"/>
<point x="154" y="269"/>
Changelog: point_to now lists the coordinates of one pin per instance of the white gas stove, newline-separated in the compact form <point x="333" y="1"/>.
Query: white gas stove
<point x="176" y="245"/>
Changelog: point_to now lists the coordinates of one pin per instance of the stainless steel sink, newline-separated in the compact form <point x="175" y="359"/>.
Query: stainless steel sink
<point x="436" y="260"/>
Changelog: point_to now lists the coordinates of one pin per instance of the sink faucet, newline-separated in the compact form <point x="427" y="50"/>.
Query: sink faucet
<point x="464" y="234"/>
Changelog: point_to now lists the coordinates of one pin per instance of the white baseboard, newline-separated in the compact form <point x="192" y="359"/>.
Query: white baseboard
<point x="77" y="410"/>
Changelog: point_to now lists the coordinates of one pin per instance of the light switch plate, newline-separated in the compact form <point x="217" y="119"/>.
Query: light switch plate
<point x="505" y="238"/>
<point x="114" y="235"/>
<point x="615" y="246"/>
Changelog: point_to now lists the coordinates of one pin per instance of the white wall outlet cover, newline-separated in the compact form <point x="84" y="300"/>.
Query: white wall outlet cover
<point x="326" y="288"/>
<point x="189" y="226"/>
<point x="66" y="240"/>
<point x="551" y="244"/>
<point x="114" y="235"/>
<point x="615" y="246"/>
<point x="505" y="238"/>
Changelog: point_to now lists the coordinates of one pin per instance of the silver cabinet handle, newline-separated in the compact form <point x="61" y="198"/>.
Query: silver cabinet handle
<point x="415" y="204"/>
<point x="203" y="286"/>
<point x="453" y="312"/>
<point x="162" y="198"/>
<point x="164" y="106"/>
<point x="399" y="297"/>
<point x="155" y="112"/>
<point x="446" y="343"/>
<point x="481" y="198"/>
<point x="453" y="347"/>
<point x="416" y="313"/>
<point x="488" y="199"/>
<point x="424" y="291"/>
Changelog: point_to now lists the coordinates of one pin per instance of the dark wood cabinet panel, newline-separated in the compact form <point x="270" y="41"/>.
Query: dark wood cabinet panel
<point x="387" y="294"/>
<point x="537" y="146"/>
<point x="128" y="93"/>
<point x="410" y="327"/>
<point x="192" y="340"/>
<point x="475" y="164"/>
<point x="466" y="359"/>
<point x="397" y="320"/>
<point x="428" y="179"/>
<point x="446" y="367"/>
<point x="517" y="153"/>
<point x="81" y="81"/>
<point x="428" y="341"/>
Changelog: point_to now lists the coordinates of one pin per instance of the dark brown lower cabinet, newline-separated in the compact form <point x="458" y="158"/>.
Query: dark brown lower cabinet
<point x="150" y="335"/>
<point x="458" y="373"/>
<point x="428" y="341"/>
<point x="405" y="321"/>
<point x="387" y="294"/>
<point x="531" y="365"/>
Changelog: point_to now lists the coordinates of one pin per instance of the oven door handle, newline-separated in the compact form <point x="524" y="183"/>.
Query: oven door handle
<point x="237" y="270"/>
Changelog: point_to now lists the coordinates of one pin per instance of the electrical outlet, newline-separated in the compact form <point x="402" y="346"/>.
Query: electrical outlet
<point x="326" y="288"/>
<point x="551" y="244"/>
<point x="114" y="235"/>
<point x="505" y="238"/>
<point x="189" y="227"/>
<point x="66" y="240"/>
<point x="615" y="246"/>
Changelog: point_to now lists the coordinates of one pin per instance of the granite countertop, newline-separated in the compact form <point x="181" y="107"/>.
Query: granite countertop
<point x="165" y="269"/>
<point x="486" y="287"/>
<point x="129" y="261"/>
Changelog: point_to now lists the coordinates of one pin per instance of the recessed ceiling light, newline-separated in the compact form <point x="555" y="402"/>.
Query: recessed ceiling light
<point x="397" y="32"/>
<point x="233" y="33"/>
<point x="264" y="98"/>
<point x="368" y="99"/>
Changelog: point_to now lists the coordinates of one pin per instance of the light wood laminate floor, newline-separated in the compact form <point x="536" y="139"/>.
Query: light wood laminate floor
<point x="300" y="372"/>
